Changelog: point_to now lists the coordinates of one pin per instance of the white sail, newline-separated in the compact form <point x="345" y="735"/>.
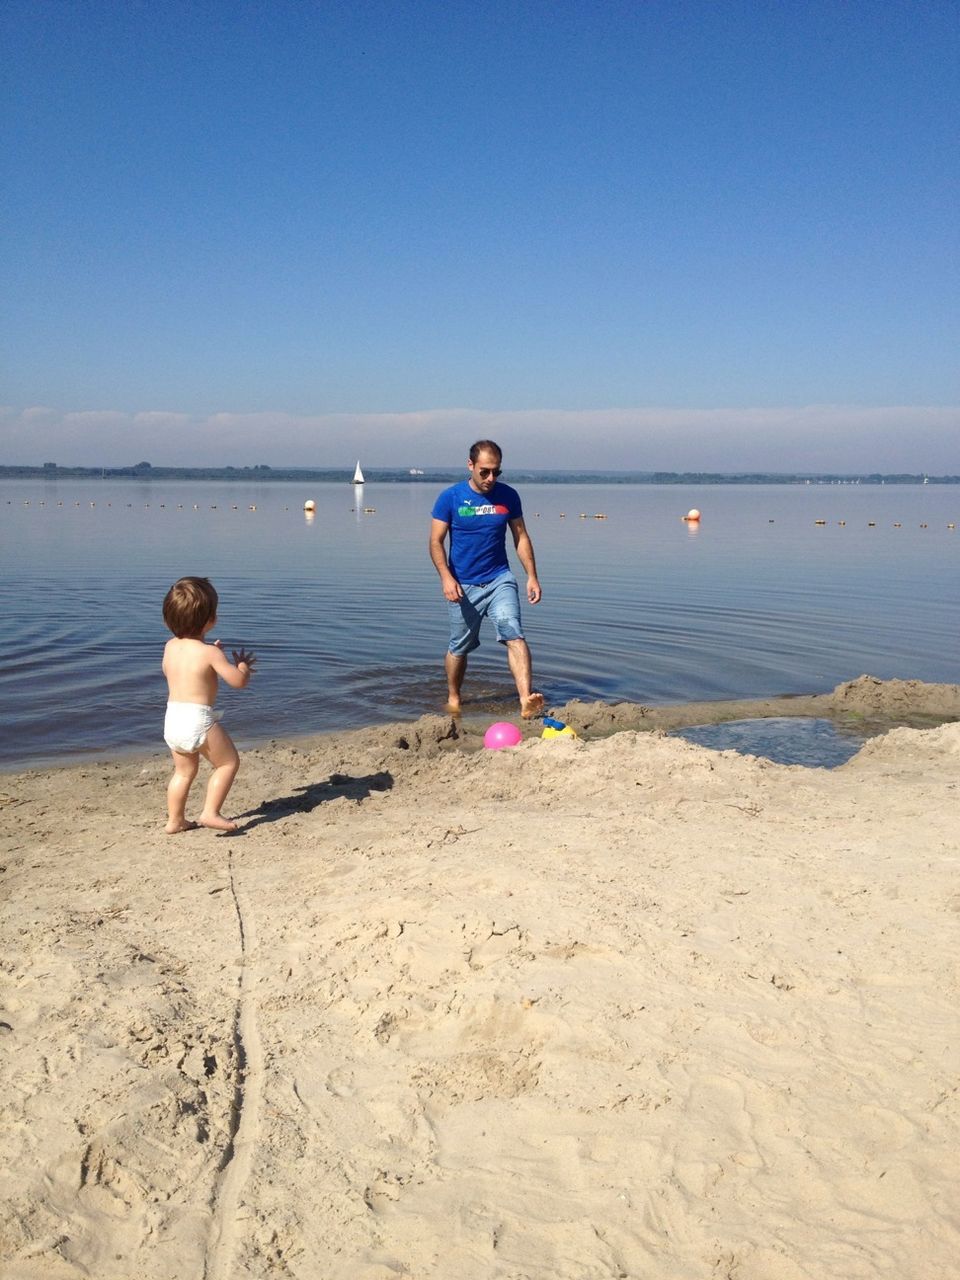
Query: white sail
<point x="358" y="474"/>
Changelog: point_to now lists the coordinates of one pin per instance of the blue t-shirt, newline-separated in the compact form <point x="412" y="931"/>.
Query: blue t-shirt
<point x="478" y="529"/>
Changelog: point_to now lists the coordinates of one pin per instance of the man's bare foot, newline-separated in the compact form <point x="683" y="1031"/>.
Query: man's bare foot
<point x="531" y="706"/>
<point x="218" y="823"/>
<point x="453" y="707"/>
<point x="174" y="828"/>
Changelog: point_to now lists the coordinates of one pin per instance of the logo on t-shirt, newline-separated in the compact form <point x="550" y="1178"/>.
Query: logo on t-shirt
<point x="491" y="509"/>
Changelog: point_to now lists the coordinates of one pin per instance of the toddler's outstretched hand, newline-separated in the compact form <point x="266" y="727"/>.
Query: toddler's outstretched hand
<point x="241" y="655"/>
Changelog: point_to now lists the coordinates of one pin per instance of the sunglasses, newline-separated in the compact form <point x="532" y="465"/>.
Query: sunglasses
<point x="489" y="471"/>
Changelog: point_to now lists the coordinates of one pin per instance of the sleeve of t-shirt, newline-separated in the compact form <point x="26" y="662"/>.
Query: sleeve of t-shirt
<point x="443" y="507"/>
<point x="515" y="505"/>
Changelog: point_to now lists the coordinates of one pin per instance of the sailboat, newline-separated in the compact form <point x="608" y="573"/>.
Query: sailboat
<point x="358" y="474"/>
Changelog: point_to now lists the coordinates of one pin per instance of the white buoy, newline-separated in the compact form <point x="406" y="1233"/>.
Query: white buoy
<point x="693" y="515"/>
<point x="309" y="505"/>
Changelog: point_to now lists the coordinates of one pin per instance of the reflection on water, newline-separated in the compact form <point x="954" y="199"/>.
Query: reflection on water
<point x="802" y="740"/>
<point x="345" y="612"/>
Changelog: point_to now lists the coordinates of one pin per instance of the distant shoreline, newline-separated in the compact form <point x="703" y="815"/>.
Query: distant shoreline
<point x="438" y="475"/>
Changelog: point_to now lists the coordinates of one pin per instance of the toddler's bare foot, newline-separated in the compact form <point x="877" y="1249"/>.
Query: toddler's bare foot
<point x="174" y="828"/>
<point x="531" y="706"/>
<point x="217" y="823"/>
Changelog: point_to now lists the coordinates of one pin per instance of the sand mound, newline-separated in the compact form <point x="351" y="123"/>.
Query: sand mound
<point x="897" y="698"/>
<point x="874" y="705"/>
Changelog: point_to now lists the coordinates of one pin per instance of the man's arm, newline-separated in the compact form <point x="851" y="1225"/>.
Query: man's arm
<point x="438" y="554"/>
<point x="521" y="540"/>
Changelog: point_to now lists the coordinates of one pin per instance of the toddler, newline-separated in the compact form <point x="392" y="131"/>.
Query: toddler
<point x="190" y="729"/>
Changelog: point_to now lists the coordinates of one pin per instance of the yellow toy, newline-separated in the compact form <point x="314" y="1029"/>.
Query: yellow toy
<point x="556" y="729"/>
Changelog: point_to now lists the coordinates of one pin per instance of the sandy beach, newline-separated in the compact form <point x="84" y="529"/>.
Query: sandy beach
<point x="614" y="1007"/>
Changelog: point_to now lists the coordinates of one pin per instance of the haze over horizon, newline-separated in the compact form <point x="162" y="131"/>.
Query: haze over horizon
<point x="878" y="440"/>
<point x="670" y="236"/>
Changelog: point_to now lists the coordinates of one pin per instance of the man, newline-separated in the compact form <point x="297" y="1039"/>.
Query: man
<point x="476" y="578"/>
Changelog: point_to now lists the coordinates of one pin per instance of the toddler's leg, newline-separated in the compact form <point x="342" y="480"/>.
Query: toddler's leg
<point x="222" y="754"/>
<point x="184" y="771"/>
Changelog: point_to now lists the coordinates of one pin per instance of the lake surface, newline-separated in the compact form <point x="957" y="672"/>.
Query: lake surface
<point x="345" y="613"/>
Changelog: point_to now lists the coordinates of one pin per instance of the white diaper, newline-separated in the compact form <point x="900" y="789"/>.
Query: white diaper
<point x="187" y="724"/>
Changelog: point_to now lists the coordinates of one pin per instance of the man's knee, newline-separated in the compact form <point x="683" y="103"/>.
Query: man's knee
<point x="461" y="645"/>
<point x="510" y="634"/>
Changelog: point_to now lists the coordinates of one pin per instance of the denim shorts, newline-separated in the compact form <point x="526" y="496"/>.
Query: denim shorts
<point x="498" y="600"/>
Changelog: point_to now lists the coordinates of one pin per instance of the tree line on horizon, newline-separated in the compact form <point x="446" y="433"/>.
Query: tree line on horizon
<point x="147" y="471"/>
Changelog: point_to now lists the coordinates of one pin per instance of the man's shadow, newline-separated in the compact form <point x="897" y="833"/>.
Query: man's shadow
<point x="306" y="799"/>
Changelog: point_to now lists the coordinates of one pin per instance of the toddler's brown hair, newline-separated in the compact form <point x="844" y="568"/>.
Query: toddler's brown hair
<point x="189" y="605"/>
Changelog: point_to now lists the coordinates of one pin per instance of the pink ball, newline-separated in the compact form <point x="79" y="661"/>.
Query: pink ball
<point x="502" y="734"/>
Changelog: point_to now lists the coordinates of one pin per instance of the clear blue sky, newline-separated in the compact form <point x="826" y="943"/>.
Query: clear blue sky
<point x="669" y="234"/>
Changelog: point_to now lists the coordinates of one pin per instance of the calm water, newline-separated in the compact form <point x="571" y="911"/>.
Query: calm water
<point x="346" y="616"/>
<point x="785" y="739"/>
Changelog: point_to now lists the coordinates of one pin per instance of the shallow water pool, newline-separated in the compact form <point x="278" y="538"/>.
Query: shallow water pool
<point x="805" y="740"/>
